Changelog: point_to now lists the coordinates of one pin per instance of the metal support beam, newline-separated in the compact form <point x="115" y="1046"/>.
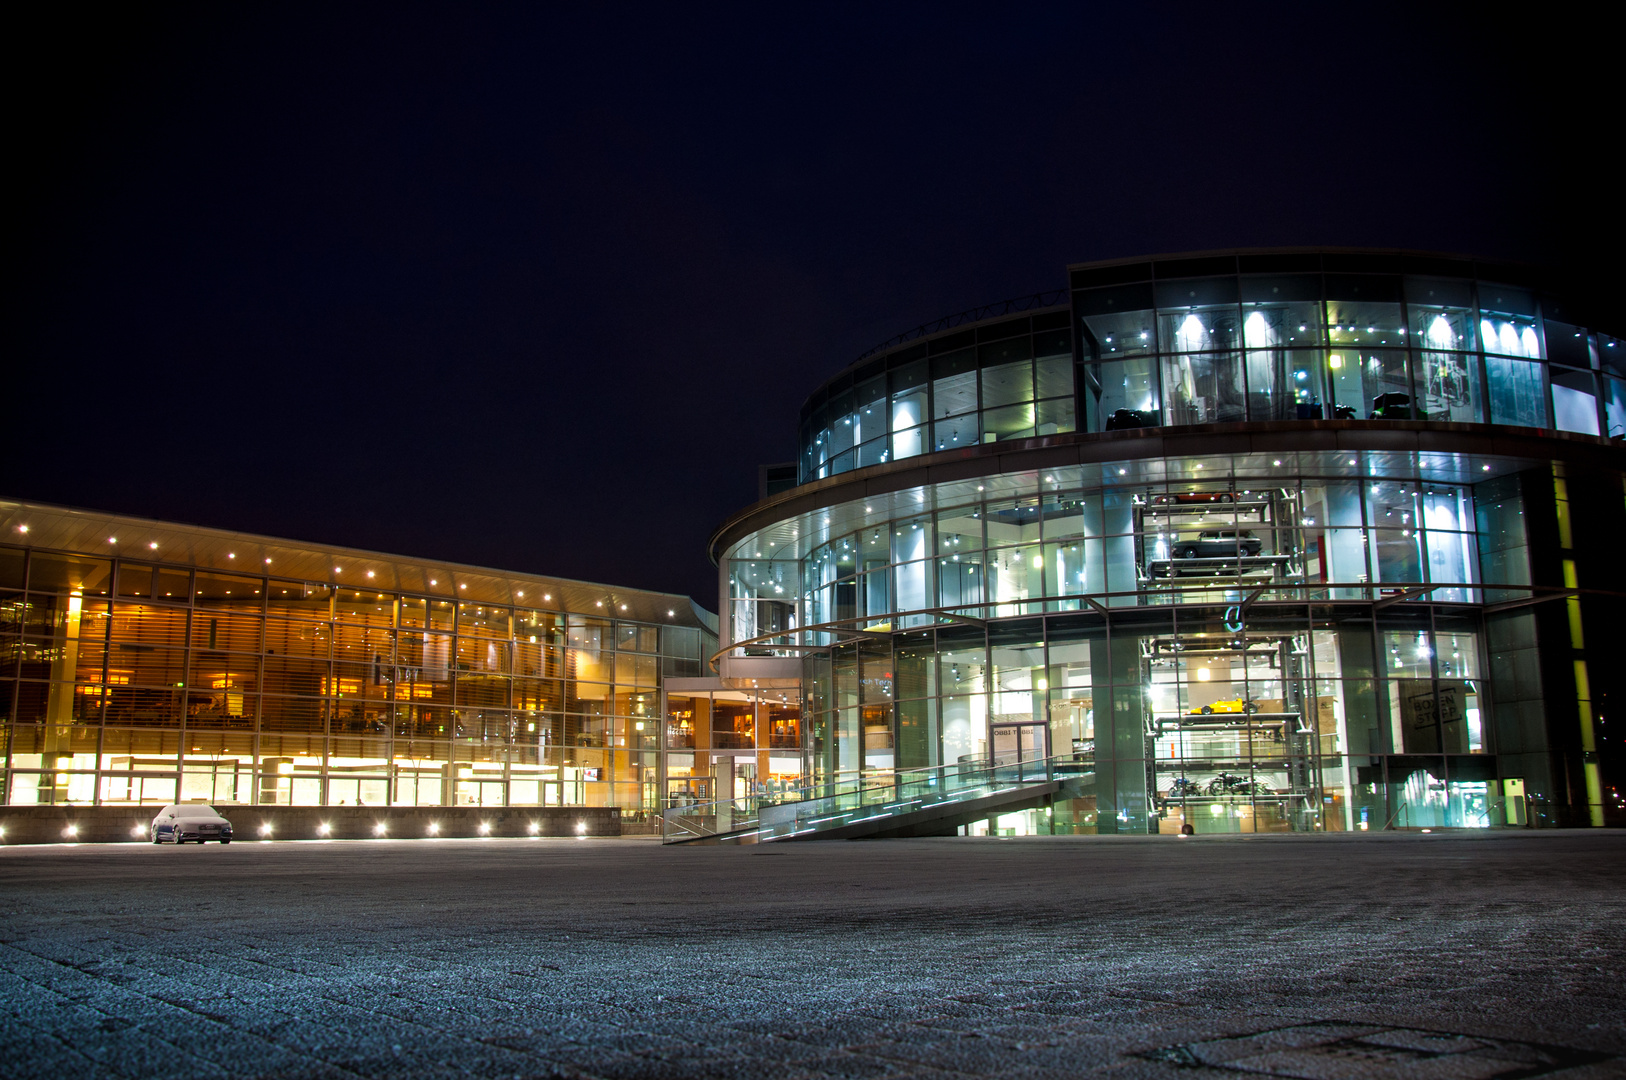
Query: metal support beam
<point x="1509" y="605"/>
<point x="1409" y="594"/>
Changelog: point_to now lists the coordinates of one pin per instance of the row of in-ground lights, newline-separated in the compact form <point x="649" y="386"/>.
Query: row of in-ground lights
<point x="324" y="829"/>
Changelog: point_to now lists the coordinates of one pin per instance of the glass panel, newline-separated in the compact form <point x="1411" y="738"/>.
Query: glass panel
<point x="955" y="394"/>
<point x="1515" y="392"/>
<point x="1615" y="406"/>
<point x="956" y="432"/>
<point x="1118" y="322"/>
<point x="1203" y="388"/>
<point x="1122" y="395"/>
<point x="1370" y="384"/>
<point x="297" y="599"/>
<point x="1008" y="383"/>
<point x="1575" y="401"/>
<point x="1054" y="376"/>
<point x="68" y="573"/>
<point x="1010" y="422"/>
<point x="1052" y="417"/>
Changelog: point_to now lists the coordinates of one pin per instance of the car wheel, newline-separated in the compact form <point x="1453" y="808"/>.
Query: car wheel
<point x="1187" y="553"/>
<point x="1250" y="707"/>
<point x="155" y="838"/>
<point x="1208" y="710"/>
<point x="225" y="839"/>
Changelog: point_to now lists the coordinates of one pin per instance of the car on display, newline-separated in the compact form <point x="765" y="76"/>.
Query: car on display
<point x="178" y="823"/>
<point x="1219" y="544"/>
<point x="1179" y="497"/>
<point x="1394" y="406"/>
<point x="1235" y="705"/>
<point x="1123" y="419"/>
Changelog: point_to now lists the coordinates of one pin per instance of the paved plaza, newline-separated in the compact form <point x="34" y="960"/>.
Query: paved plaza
<point x="1418" y="955"/>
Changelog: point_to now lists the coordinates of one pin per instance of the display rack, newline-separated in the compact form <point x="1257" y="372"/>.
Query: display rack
<point x="1171" y="517"/>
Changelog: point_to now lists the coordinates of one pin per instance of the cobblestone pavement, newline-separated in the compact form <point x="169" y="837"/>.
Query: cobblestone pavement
<point x="1441" y="955"/>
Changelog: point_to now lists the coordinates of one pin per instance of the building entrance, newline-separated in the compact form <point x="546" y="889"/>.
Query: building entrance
<point x="1018" y="744"/>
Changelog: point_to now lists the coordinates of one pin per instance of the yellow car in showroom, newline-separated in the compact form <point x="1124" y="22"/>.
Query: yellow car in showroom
<point x="1235" y="705"/>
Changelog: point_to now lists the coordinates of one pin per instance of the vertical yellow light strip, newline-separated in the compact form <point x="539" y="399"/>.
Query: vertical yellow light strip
<point x="1583" y="682"/>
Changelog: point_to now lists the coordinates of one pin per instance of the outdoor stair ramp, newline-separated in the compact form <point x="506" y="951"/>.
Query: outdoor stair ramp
<point x="932" y="801"/>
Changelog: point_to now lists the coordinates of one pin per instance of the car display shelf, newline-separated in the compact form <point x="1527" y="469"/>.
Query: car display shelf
<point x="1163" y="522"/>
<point x="1239" y="721"/>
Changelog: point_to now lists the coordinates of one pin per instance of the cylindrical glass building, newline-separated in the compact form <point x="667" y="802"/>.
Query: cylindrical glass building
<point x="1252" y="541"/>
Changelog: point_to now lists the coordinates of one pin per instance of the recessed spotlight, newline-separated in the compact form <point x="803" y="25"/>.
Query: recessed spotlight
<point x="22" y="528"/>
<point x="338" y="570"/>
<point x="432" y="581"/>
<point x="112" y="539"/>
<point x="153" y="544"/>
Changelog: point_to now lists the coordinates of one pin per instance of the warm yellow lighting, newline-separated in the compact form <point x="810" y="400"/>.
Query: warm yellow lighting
<point x="1203" y="674"/>
<point x="1335" y="361"/>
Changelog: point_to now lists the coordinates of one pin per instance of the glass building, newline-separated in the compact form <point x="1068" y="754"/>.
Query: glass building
<point x="1250" y="541"/>
<point x="144" y="662"/>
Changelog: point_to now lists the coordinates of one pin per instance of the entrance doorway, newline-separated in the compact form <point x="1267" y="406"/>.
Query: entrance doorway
<point x="1019" y="746"/>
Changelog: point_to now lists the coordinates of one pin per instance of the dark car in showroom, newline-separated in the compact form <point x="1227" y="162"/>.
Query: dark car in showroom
<point x="1219" y="544"/>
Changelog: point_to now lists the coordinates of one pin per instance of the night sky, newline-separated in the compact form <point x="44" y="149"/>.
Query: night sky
<point x="539" y="287"/>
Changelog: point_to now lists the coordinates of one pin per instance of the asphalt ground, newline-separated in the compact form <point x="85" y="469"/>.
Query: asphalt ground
<point x="1438" y="956"/>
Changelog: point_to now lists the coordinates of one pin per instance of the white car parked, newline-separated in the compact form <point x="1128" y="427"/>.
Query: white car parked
<point x="179" y="822"/>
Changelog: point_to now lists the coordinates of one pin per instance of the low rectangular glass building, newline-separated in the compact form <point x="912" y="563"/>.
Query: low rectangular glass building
<point x="145" y="662"/>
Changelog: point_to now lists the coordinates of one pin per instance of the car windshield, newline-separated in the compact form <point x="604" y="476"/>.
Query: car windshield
<point x="198" y="808"/>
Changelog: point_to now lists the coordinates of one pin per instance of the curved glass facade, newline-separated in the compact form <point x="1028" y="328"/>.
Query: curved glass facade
<point x="1232" y="339"/>
<point x="1010" y="379"/>
<point x="1275" y="624"/>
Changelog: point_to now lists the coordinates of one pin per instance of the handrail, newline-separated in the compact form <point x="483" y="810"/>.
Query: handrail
<point x="828" y="804"/>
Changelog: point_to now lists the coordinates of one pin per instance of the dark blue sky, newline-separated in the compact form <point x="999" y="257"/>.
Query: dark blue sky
<point x="538" y="287"/>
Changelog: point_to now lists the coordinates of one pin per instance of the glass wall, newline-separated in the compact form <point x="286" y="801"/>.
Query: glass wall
<point x="1225" y="340"/>
<point x="1303" y="717"/>
<point x="124" y="681"/>
<point x="1353" y="346"/>
<point x="1062" y="539"/>
<point x="1011" y="379"/>
<point x="1231" y="643"/>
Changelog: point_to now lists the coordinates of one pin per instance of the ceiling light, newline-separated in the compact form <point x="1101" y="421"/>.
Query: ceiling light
<point x="153" y="544"/>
